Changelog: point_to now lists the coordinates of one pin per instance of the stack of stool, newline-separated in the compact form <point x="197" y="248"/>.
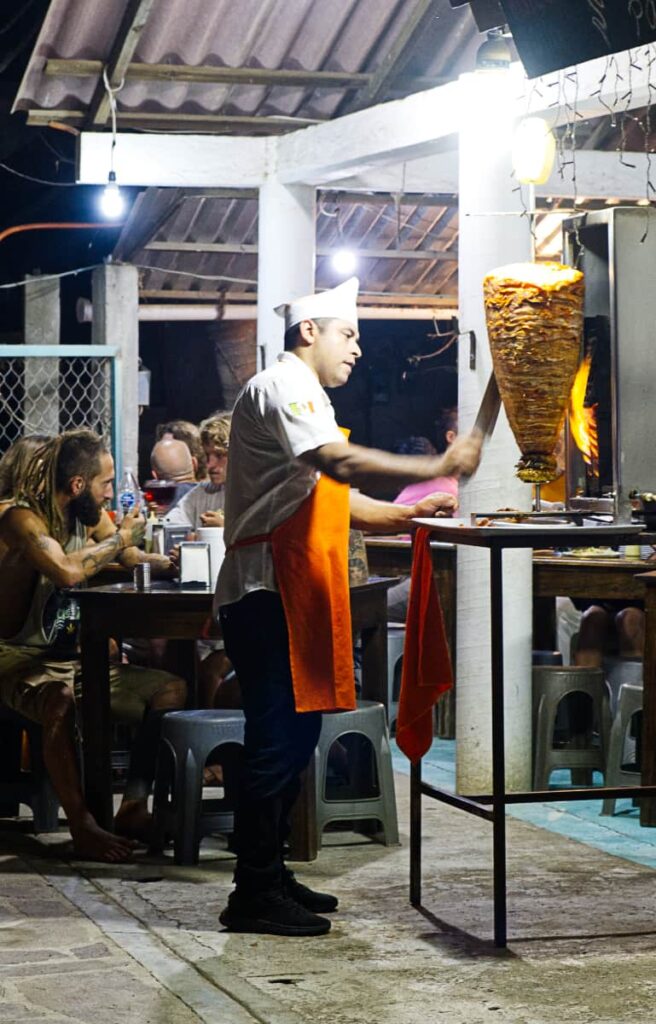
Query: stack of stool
<point x="32" y="788"/>
<point x="551" y="684"/>
<point x="378" y="802"/>
<point x="187" y="740"/>
<point x="395" y="642"/>
<point x="629" y="703"/>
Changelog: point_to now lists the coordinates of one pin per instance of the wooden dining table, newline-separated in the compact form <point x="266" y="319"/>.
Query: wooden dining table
<point x="170" y="611"/>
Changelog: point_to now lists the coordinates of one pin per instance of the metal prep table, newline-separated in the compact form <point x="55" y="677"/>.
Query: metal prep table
<point x="492" y="807"/>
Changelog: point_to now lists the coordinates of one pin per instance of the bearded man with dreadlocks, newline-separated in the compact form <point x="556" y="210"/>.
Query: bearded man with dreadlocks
<point x="55" y="535"/>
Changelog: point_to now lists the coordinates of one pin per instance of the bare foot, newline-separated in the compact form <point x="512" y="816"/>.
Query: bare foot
<point x="212" y="775"/>
<point x="91" y="842"/>
<point x="134" y="821"/>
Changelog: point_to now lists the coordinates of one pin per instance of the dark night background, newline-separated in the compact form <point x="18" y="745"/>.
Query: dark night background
<point x="386" y="398"/>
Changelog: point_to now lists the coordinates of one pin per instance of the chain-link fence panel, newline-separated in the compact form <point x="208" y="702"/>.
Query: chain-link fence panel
<point x="51" y="394"/>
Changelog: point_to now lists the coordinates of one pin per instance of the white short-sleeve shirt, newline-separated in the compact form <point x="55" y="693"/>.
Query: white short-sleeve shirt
<point x="281" y="413"/>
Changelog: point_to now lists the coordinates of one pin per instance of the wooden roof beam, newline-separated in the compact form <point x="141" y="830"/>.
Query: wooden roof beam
<point x="212" y="75"/>
<point x="364" y="298"/>
<point x="250" y="249"/>
<point x="127" y="38"/>
<point x="172" y="120"/>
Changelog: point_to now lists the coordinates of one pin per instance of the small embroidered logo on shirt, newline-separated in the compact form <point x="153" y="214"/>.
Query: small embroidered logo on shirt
<point x="299" y="408"/>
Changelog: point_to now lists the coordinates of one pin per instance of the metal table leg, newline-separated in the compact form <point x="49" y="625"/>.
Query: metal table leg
<point x="498" y="749"/>
<point x="415" y="834"/>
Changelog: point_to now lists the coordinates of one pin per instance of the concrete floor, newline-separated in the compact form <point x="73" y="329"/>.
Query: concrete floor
<point x="141" y="943"/>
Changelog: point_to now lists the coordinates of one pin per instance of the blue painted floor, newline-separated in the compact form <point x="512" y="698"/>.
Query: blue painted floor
<point x="620" y="835"/>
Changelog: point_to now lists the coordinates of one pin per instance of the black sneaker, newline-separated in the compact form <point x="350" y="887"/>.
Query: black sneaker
<point x="271" y="914"/>
<point x="317" y="902"/>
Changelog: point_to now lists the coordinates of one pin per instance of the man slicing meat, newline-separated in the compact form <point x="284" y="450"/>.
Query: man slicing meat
<point x="283" y="593"/>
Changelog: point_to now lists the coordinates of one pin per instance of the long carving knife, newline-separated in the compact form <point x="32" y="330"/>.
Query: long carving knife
<point x="488" y="412"/>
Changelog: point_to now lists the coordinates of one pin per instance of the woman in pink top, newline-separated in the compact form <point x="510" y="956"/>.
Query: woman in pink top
<point x="413" y="493"/>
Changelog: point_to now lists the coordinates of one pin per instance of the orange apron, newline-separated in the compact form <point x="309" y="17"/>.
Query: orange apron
<point x="310" y="557"/>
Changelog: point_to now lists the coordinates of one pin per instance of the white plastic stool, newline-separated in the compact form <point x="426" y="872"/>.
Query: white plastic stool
<point x="629" y="703"/>
<point x="367" y="720"/>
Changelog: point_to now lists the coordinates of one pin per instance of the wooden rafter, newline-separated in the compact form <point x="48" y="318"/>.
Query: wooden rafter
<point x="210" y="75"/>
<point x="172" y="120"/>
<point x="280" y="78"/>
<point x="364" y="298"/>
<point x="127" y="38"/>
<point x="248" y="249"/>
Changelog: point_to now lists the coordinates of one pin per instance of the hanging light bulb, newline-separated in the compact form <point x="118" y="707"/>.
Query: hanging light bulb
<point x="112" y="203"/>
<point x="534" y="151"/>
<point x="344" y="261"/>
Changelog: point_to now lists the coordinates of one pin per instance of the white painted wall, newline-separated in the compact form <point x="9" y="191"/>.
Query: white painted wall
<point x="489" y="238"/>
<point x="286" y="258"/>
<point x="115" y="296"/>
<point x="42" y="327"/>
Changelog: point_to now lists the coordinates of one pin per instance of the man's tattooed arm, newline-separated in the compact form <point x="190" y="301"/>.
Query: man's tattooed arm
<point x="94" y="558"/>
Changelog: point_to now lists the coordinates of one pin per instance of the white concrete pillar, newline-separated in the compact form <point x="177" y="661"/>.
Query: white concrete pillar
<point x="42" y="325"/>
<point x="286" y="257"/>
<point x="491" y="234"/>
<point x="115" y="296"/>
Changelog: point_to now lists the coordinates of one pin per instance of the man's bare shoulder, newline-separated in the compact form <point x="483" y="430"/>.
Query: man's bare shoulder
<point x="20" y="522"/>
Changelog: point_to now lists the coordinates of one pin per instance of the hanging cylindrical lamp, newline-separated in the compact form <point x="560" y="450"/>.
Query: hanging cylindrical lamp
<point x="534" y="151"/>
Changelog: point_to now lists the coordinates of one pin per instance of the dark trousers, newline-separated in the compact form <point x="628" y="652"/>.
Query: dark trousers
<point x="278" y="741"/>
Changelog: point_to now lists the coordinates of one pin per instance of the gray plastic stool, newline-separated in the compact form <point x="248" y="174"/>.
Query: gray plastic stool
<point x="629" y="703"/>
<point x="395" y="642"/>
<point x="551" y="683"/>
<point x="619" y="671"/>
<point x="367" y="720"/>
<point x="189" y="737"/>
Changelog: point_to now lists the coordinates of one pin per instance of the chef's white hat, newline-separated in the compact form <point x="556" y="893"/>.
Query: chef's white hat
<point x="339" y="303"/>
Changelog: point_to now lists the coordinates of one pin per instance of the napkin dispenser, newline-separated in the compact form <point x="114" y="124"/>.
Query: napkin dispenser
<point x="195" y="564"/>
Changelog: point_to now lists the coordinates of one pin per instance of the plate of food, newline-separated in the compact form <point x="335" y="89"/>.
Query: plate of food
<point x="591" y="552"/>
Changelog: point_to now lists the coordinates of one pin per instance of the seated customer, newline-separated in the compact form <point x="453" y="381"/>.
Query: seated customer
<point x="183" y="430"/>
<point x="171" y="462"/>
<point x="447" y="486"/>
<point x="57" y="536"/>
<point x="605" y="624"/>
<point x="12" y="467"/>
<point x="447" y="429"/>
<point x="203" y="506"/>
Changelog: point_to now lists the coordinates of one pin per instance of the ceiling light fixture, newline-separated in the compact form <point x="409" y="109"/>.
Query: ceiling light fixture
<point x="494" y="54"/>
<point x="344" y="261"/>
<point x="534" y="151"/>
<point x="112" y="202"/>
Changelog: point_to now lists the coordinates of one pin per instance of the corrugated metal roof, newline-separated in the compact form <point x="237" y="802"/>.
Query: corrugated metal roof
<point x="345" y="36"/>
<point x="342" y="35"/>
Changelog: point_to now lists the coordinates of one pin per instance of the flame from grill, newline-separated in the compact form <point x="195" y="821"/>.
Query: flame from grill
<point x="583" y="418"/>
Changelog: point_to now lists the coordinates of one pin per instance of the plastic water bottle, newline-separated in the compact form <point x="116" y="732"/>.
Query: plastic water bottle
<point x="128" y="493"/>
